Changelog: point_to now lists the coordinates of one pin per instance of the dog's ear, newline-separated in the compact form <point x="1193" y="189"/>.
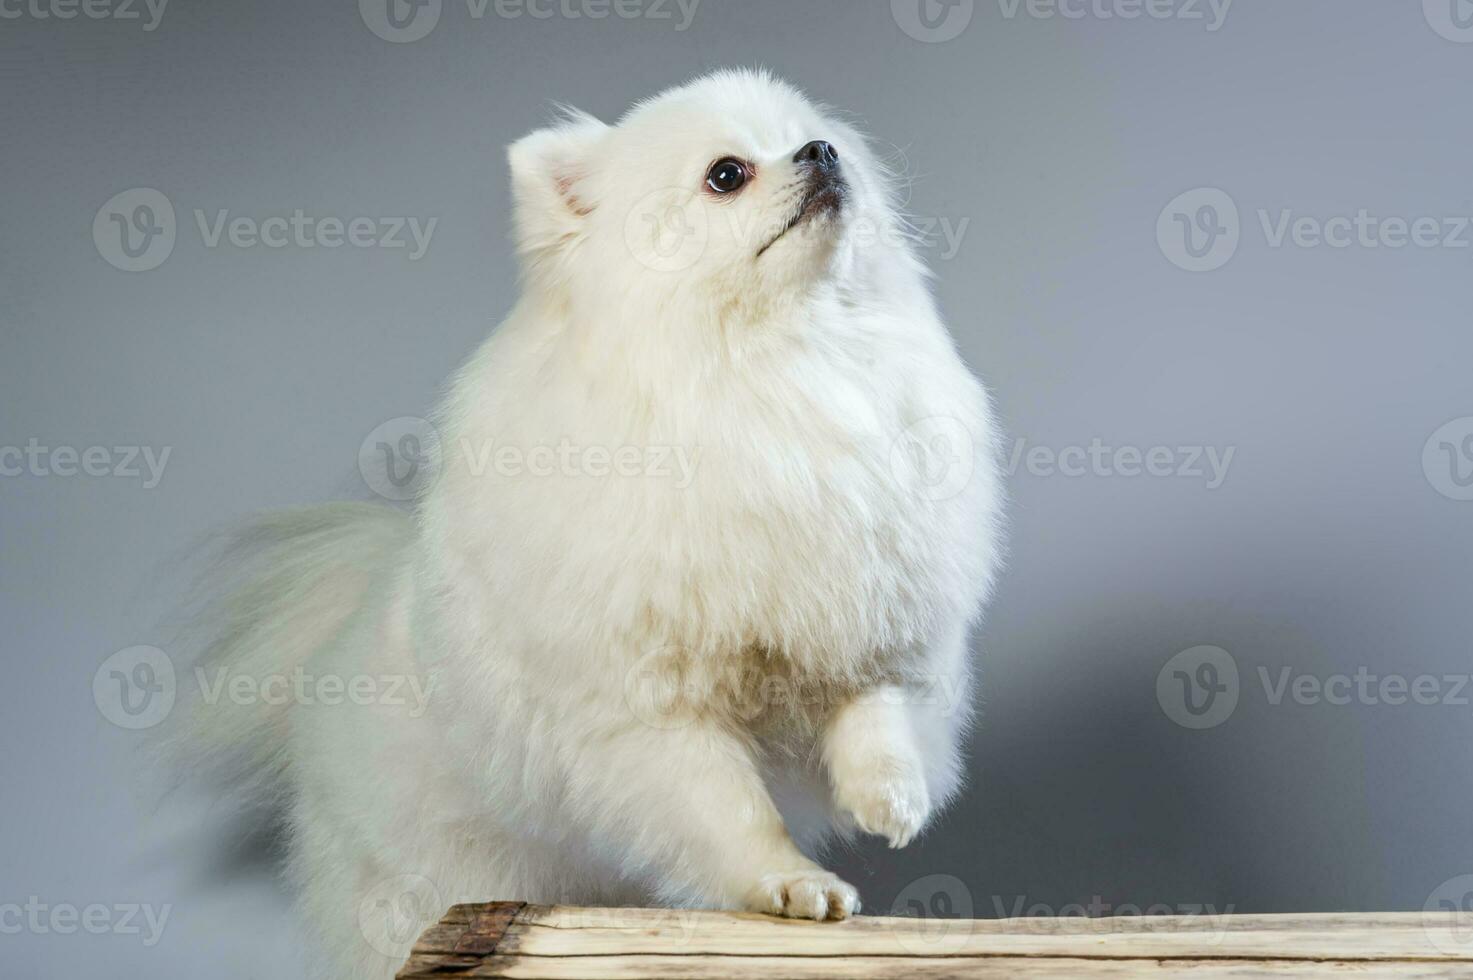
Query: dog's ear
<point x="549" y="167"/>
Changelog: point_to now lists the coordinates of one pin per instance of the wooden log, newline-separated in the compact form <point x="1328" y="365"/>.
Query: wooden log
<point x="515" y="939"/>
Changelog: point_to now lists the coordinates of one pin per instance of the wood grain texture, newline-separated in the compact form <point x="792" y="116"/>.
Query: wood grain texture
<point x="514" y="939"/>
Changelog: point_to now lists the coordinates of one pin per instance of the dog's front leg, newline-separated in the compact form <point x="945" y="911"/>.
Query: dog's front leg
<point x="876" y="767"/>
<point x="689" y="808"/>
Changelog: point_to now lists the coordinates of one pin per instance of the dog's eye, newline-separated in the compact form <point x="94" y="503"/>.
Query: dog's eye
<point x="726" y="175"/>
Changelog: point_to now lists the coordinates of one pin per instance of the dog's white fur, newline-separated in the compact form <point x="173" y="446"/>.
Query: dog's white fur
<point x="629" y="670"/>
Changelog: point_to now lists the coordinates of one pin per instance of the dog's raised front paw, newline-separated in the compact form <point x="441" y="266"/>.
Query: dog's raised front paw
<point x="815" y="894"/>
<point x="890" y="803"/>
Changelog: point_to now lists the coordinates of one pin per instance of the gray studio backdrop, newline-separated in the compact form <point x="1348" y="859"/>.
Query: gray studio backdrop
<point x="1214" y="259"/>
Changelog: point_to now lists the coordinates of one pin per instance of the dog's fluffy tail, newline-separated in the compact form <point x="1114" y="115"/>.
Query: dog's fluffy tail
<point x="280" y="588"/>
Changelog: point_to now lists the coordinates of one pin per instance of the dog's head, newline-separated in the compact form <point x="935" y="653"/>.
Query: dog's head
<point x="732" y="193"/>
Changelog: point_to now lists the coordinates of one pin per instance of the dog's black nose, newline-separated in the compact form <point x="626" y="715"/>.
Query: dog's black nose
<point x="819" y="153"/>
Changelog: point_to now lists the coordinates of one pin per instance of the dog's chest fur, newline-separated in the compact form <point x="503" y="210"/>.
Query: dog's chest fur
<point x="794" y="565"/>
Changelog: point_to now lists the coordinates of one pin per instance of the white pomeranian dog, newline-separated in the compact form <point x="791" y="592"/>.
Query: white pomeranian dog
<point x="714" y="510"/>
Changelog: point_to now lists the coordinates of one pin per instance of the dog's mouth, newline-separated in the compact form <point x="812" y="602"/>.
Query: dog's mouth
<point x="824" y="198"/>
